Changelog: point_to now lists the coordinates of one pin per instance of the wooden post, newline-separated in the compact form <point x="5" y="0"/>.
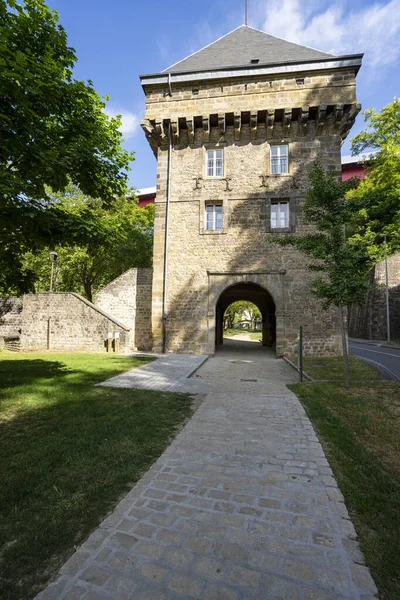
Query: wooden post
<point x="109" y="341"/>
<point x="48" y="333"/>
<point x="116" y="341"/>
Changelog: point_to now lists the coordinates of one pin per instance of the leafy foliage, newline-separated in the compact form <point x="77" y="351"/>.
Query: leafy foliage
<point x="376" y="200"/>
<point x="241" y="310"/>
<point x="343" y="266"/>
<point x="53" y="130"/>
<point x="125" y="241"/>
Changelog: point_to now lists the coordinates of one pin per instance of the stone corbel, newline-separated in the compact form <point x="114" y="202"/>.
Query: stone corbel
<point x="270" y="123"/>
<point x="304" y="119"/>
<point x="148" y="128"/>
<point x="152" y="136"/>
<point x="321" y="117"/>
<point x="348" y="119"/>
<point x="221" y="123"/>
<point x="206" y="129"/>
<point x="238" y="125"/>
<point x="174" y="132"/>
<point x="253" y="125"/>
<point x="160" y="130"/>
<point x="189" y="123"/>
<point x="338" y="114"/>
<point x="287" y="121"/>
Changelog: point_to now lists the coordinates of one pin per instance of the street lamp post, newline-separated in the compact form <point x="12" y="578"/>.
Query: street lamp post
<point x="53" y="258"/>
<point x="387" y="289"/>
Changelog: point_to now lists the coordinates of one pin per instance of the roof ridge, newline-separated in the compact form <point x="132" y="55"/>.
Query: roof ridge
<point x="203" y="48"/>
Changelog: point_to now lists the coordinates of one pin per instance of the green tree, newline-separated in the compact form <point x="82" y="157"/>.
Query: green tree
<point x="343" y="266"/>
<point x="376" y="200"/>
<point x="126" y="241"/>
<point x="53" y="130"/>
<point x="239" y="310"/>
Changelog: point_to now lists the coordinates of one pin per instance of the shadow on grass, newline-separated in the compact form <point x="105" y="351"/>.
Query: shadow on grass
<point x="63" y="468"/>
<point x="68" y="452"/>
<point x="14" y="373"/>
<point x="28" y="383"/>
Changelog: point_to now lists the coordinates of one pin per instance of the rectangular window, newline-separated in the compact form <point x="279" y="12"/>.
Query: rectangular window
<point x="279" y="159"/>
<point x="215" y="163"/>
<point x="214" y="217"/>
<point x="280" y="215"/>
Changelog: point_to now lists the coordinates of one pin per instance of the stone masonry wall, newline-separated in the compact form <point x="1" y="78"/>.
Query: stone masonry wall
<point x="369" y="321"/>
<point x="10" y="322"/>
<point x="71" y="321"/>
<point x="250" y="93"/>
<point x="243" y="247"/>
<point x="128" y="299"/>
<point x="202" y="264"/>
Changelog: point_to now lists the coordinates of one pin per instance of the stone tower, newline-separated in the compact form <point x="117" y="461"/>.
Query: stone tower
<point x="236" y="129"/>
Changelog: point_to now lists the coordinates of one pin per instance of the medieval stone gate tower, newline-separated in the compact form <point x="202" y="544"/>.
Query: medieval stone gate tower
<point x="236" y="129"/>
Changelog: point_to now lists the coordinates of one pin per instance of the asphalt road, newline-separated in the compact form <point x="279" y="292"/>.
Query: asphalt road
<point x="386" y="360"/>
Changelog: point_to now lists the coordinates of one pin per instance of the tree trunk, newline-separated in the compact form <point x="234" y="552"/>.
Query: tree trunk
<point x="87" y="285"/>
<point x="344" y="347"/>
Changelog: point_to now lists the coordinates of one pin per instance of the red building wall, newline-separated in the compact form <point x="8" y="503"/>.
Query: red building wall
<point x="353" y="170"/>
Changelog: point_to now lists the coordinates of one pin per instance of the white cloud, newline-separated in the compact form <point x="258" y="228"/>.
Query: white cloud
<point x="373" y="29"/>
<point x="130" y="121"/>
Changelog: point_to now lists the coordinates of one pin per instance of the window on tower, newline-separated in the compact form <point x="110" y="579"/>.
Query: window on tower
<point x="215" y="163"/>
<point x="280" y="215"/>
<point x="279" y="159"/>
<point x="213" y="217"/>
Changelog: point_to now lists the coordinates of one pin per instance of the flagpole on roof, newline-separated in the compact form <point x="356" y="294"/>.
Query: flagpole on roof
<point x="246" y="13"/>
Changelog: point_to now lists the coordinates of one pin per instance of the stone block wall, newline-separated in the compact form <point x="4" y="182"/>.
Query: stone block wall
<point x="67" y="321"/>
<point x="244" y="248"/>
<point x="10" y="322"/>
<point x="250" y="93"/>
<point x="10" y="315"/>
<point x="128" y="299"/>
<point x="369" y="321"/>
<point x="312" y="113"/>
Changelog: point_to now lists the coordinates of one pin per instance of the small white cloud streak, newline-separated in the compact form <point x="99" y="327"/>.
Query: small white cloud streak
<point x="372" y="29"/>
<point x="130" y="121"/>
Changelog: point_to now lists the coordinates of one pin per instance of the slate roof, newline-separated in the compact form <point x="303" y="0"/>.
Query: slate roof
<point x="239" y="47"/>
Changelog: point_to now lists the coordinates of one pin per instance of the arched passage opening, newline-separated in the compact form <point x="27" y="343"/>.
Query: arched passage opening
<point x="251" y="292"/>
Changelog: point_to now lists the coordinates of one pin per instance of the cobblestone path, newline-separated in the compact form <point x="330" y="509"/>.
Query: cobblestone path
<point x="242" y="505"/>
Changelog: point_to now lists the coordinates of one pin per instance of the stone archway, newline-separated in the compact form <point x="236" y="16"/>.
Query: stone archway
<point x="268" y="287"/>
<point x="251" y="292"/>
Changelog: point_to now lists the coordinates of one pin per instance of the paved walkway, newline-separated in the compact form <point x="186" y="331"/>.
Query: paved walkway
<point x="169" y="373"/>
<point x="242" y="505"/>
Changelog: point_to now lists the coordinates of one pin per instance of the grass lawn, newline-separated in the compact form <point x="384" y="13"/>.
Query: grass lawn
<point x="360" y="431"/>
<point x="331" y="369"/>
<point x="69" y="450"/>
<point x="254" y="335"/>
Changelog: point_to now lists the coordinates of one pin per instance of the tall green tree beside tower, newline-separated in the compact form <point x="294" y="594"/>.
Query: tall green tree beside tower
<point x="53" y="131"/>
<point x="341" y="268"/>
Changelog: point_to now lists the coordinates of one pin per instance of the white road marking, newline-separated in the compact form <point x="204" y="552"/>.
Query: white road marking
<point x="380" y="365"/>
<point x="376" y="351"/>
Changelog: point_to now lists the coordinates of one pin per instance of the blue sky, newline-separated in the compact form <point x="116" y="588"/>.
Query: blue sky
<point x="115" y="41"/>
